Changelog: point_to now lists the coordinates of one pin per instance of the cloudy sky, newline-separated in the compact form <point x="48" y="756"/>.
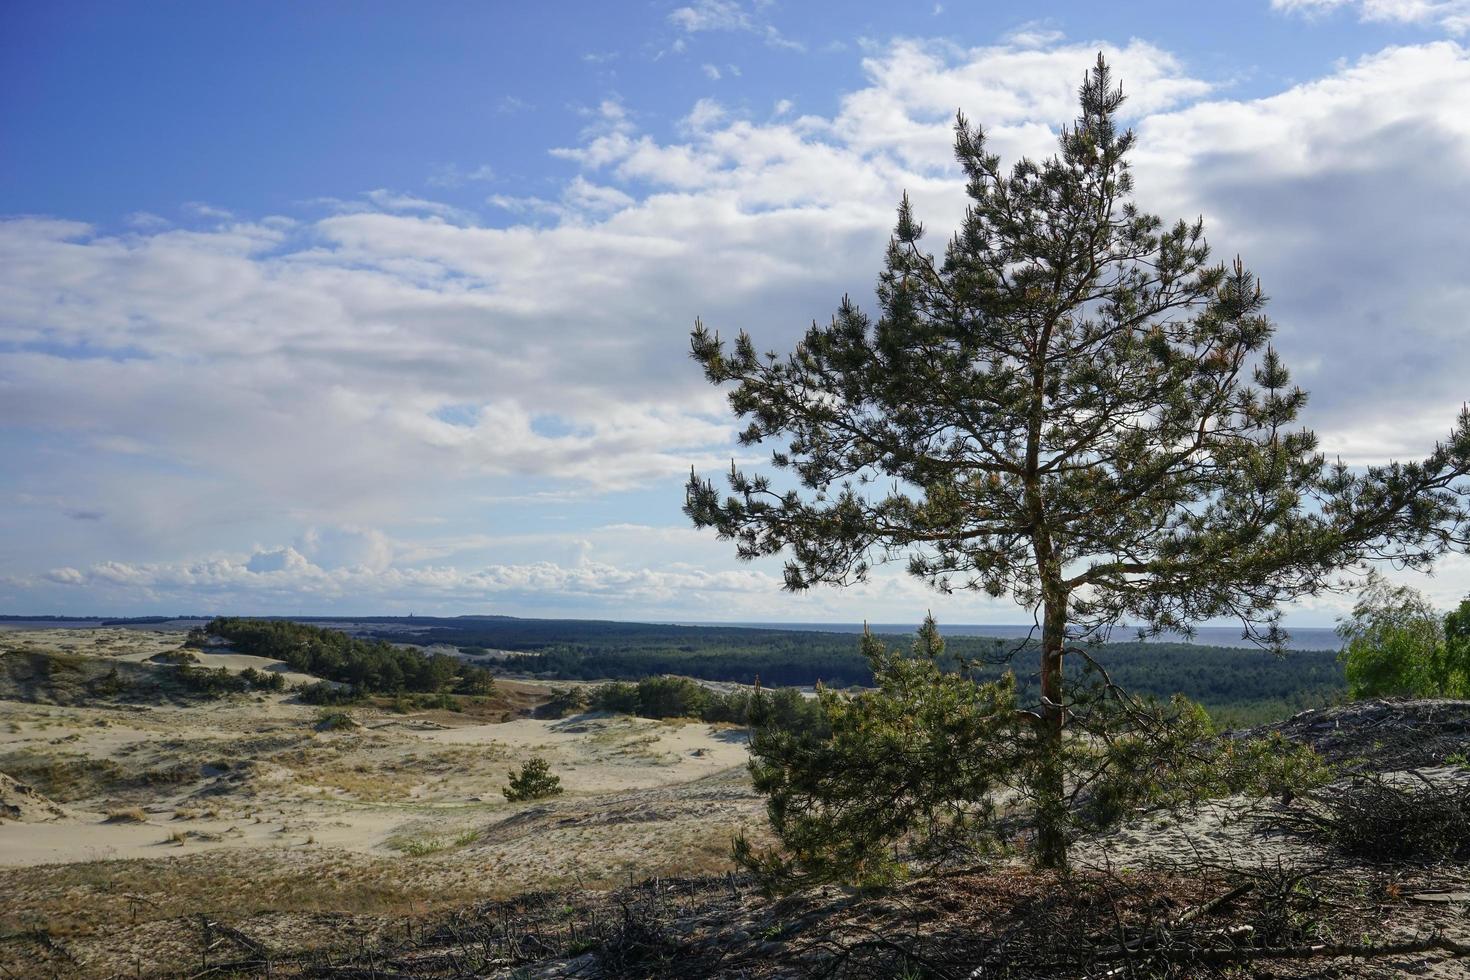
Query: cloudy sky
<point x="385" y="307"/>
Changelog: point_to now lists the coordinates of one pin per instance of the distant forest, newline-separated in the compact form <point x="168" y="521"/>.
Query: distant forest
<point x="1237" y="685"/>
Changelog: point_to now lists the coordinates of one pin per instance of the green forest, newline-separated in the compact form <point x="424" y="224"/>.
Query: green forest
<point x="1238" y="686"/>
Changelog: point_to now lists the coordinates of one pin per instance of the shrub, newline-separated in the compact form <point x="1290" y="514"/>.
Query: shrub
<point x="176" y="657"/>
<point x="533" y="782"/>
<point x="109" y="684"/>
<point x="444" y="701"/>
<point x="617" y="697"/>
<point x="327" y="693"/>
<point x="1183" y="759"/>
<point x="212" y="683"/>
<point x="127" y="815"/>
<point x="264" y="680"/>
<point x="680" y="697"/>
<point x="1385" y="820"/>
<point x="915" y="764"/>
<point x="564" y="701"/>
<point x="474" y="681"/>
<point x="1395" y="644"/>
<point x="671" y="697"/>
<point x="331" y="721"/>
<point x="910" y="772"/>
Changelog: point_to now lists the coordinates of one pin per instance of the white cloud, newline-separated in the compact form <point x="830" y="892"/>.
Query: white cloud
<point x="202" y="210"/>
<point x="392" y="201"/>
<point x="375" y="367"/>
<point x="711" y="72"/>
<point x="147" y="221"/>
<point x="711" y="15"/>
<point x="1329" y="190"/>
<point x="706" y="114"/>
<point x="1452" y="16"/>
<point x="452" y="176"/>
<point x="1034" y="34"/>
<point x="620" y="570"/>
<point x="729" y="15"/>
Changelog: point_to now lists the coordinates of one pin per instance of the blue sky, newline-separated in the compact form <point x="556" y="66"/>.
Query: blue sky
<point x="376" y="307"/>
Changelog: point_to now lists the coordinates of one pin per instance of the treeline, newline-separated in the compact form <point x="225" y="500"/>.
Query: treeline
<point x="782" y="664"/>
<point x="1239" y="686"/>
<point x="1246" y="685"/>
<point x="367" y="666"/>
<point x="679" y="697"/>
<point x="1219" y="677"/>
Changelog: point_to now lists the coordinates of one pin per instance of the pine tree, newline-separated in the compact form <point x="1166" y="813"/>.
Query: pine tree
<point x="1076" y="408"/>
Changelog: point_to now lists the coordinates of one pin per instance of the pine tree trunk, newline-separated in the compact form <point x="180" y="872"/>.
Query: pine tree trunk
<point x="1051" y="815"/>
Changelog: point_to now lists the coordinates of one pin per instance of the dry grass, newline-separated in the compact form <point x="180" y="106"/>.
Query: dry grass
<point x="132" y="814"/>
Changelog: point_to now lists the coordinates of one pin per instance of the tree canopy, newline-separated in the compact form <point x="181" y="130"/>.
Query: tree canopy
<point x="1076" y="407"/>
<point x="1397" y="644"/>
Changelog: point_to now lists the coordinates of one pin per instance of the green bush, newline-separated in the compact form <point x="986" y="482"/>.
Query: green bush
<point x="533" y="782"/>
<point x="331" y="721"/>
<point x="175" y="657"/>
<point x="212" y="682"/>
<point x="327" y="693"/>
<point x="914" y="766"/>
<point x="564" y="701"/>
<point x="910" y="772"/>
<point x="1397" y="645"/>
<point x="618" y="697"/>
<point x="264" y="680"/>
<point x="1183" y="759"/>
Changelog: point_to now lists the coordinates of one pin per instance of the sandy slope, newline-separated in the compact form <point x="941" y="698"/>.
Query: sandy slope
<point x="249" y="811"/>
<point x="404" y="811"/>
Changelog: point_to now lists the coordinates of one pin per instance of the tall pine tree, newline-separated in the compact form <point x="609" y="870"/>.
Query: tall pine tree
<point x="1076" y="408"/>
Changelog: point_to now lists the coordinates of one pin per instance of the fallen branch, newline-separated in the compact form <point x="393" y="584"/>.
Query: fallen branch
<point x="1244" y="954"/>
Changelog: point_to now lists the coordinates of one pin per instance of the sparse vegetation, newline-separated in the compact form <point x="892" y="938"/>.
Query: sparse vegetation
<point x="1410" y="818"/>
<point x="534" y="781"/>
<point x="175" y="657"/>
<point x="130" y="814"/>
<point x="333" y="721"/>
<point x="282" y="785"/>
<point x="422" y="846"/>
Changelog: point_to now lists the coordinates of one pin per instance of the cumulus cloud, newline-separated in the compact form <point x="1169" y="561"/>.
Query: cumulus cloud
<point x="311" y="379"/>
<point x="618" y="570"/>
<point x="1330" y="191"/>
<point x="1451" y="15"/>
